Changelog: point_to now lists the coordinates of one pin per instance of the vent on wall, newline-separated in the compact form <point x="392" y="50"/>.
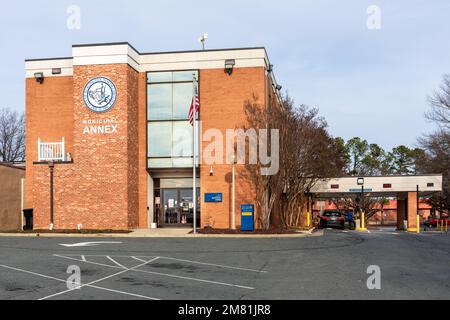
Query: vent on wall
<point x="430" y="185"/>
<point x="334" y="186"/>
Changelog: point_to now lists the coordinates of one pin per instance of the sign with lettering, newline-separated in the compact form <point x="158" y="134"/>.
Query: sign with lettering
<point x="248" y="217"/>
<point x="213" y="197"/>
<point x="103" y="126"/>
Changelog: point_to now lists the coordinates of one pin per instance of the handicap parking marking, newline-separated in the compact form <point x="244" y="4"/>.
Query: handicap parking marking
<point x="140" y="258"/>
<point x="174" y="276"/>
<point x="134" y="264"/>
<point x="102" y="279"/>
<point x="90" y="285"/>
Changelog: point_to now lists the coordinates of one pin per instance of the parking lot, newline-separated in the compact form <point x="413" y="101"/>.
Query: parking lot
<point x="332" y="265"/>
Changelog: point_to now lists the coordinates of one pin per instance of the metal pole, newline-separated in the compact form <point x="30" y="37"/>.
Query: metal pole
<point x="194" y="175"/>
<point x="51" y="165"/>
<point x="233" y="217"/>
<point x="362" y="207"/>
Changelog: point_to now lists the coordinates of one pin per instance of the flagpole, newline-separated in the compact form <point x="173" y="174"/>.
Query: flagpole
<point x="194" y="139"/>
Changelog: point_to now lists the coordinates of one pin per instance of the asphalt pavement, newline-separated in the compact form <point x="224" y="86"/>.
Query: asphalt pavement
<point x="332" y="266"/>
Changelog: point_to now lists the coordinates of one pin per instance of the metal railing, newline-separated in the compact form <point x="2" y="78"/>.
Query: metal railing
<point x="51" y="151"/>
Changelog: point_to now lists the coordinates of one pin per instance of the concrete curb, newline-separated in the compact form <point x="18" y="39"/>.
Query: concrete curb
<point x="139" y="235"/>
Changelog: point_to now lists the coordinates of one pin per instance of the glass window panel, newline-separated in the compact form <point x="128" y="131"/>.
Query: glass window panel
<point x="182" y="98"/>
<point x="182" y="162"/>
<point x="182" y="140"/>
<point x="160" y="102"/>
<point x="159" y="139"/>
<point x="160" y="163"/>
<point x="159" y="77"/>
<point x="181" y="76"/>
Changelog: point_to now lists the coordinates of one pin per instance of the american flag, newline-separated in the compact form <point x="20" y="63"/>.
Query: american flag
<point x="195" y="104"/>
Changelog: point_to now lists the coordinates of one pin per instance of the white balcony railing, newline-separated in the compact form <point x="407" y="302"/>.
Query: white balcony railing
<point x="51" y="151"/>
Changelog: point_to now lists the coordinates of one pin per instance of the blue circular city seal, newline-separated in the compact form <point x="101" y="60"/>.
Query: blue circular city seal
<point x="100" y="94"/>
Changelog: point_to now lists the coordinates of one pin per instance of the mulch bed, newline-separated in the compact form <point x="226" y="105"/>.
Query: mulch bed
<point x="261" y="232"/>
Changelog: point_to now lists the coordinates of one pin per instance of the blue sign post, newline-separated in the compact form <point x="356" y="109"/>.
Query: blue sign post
<point x="248" y="217"/>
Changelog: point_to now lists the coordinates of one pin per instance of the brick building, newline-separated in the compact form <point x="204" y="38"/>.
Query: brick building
<point x="115" y="123"/>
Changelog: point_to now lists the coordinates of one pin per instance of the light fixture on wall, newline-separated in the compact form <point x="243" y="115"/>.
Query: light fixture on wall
<point x="278" y="87"/>
<point x="39" y="76"/>
<point x="211" y="172"/>
<point x="229" y="66"/>
<point x="360" y="181"/>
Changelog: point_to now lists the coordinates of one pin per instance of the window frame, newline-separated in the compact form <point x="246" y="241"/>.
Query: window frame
<point x="148" y="121"/>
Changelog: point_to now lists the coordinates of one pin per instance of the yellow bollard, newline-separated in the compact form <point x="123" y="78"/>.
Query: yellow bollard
<point x="442" y="226"/>
<point x="363" y="222"/>
<point x="308" y="219"/>
<point x="418" y="224"/>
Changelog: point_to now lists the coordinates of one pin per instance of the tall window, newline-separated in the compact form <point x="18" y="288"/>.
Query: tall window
<point x="169" y="96"/>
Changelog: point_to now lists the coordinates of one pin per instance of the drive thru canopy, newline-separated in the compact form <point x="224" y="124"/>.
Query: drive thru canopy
<point x="407" y="190"/>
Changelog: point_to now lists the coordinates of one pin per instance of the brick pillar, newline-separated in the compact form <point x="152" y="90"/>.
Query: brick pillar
<point x="401" y="212"/>
<point x="412" y="211"/>
<point x="106" y="162"/>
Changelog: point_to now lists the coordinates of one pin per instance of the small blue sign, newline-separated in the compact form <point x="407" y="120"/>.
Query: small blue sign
<point x="360" y="190"/>
<point x="248" y="217"/>
<point x="213" y="197"/>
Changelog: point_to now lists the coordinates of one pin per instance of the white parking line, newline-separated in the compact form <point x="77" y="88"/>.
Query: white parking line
<point x="138" y="258"/>
<point x="215" y="265"/>
<point x="135" y="258"/>
<point x="87" y="285"/>
<point x="115" y="262"/>
<point x="162" y="274"/>
<point x="100" y="280"/>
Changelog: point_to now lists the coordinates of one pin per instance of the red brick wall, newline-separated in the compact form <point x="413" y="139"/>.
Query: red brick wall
<point x="222" y="107"/>
<point x="142" y="121"/>
<point x="99" y="190"/>
<point x="49" y="116"/>
<point x="106" y="186"/>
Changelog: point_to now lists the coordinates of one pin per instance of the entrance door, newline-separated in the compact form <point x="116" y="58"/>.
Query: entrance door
<point x="178" y="207"/>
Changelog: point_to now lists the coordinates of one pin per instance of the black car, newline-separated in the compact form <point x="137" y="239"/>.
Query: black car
<point x="332" y="219"/>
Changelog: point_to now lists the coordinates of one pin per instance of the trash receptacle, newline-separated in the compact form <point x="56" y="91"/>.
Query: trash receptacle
<point x="28" y="214"/>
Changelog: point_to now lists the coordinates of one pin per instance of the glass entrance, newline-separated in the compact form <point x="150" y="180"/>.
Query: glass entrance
<point x="178" y="207"/>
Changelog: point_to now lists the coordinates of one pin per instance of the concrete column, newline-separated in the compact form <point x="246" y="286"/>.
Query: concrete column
<point x="412" y="211"/>
<point x="401" y="212"/>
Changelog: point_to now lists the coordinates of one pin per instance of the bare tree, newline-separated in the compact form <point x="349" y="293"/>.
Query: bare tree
<point x="12" y="136"/>
<point x="436" y="159"/>
<point x="307" y="153"/>
<point x="440" y="104"/>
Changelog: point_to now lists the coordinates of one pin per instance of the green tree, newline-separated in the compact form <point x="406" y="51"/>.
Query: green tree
<point x="404" y="160"/>
<point x="357" y="150"/>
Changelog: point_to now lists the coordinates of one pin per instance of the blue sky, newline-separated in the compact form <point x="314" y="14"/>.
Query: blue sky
<point x="366" y="83"/>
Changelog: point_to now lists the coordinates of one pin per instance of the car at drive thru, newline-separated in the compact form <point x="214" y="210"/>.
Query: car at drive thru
<point x="432" y="222"/>
<point x="332" y="219"/>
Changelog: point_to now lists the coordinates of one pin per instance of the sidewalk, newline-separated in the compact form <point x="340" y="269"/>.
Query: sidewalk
<point x="162" y="233"/>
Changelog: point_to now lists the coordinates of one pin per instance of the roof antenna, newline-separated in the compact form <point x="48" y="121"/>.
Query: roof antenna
<point x="202" y="39"/>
